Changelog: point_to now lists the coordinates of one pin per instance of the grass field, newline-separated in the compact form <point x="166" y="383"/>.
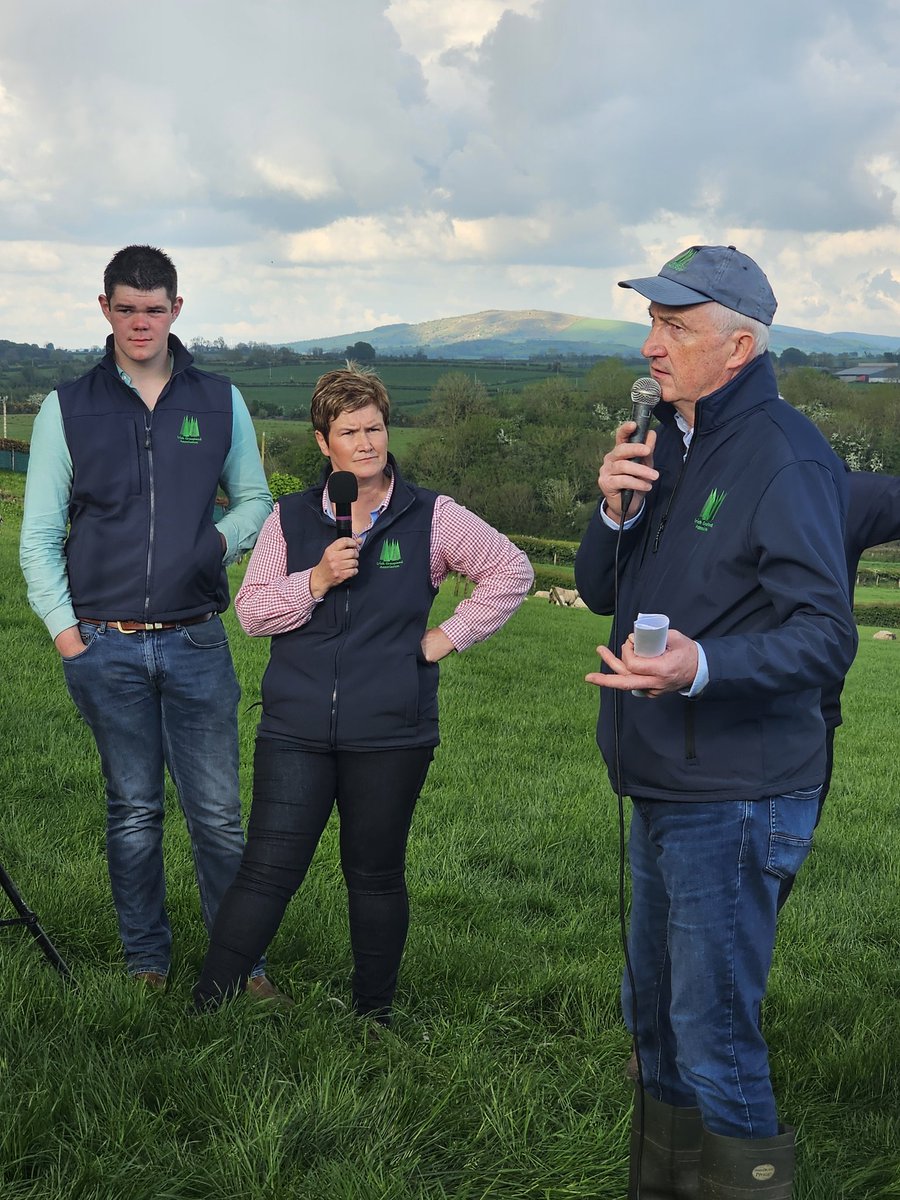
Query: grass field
<point x="410" y="383"/>
<point x="111" y="1093"/>
<point x="19" y="426"/>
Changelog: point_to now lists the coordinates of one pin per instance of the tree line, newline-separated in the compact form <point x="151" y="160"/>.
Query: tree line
<point x="527" y="461"/>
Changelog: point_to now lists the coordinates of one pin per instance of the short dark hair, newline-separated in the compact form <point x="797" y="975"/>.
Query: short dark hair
<point x="142" y="267"/>
<point x="346" y="390"/>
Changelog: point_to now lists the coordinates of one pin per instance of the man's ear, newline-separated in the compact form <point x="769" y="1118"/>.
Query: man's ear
<point x="744" y="349"/>
<point x="176" y="306"/>
<point x="104" y="306"/>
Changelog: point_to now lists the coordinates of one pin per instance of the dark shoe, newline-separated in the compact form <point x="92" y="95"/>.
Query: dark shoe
<point x="669" y="1152"/>
<point x="261" y="988"/>
<point x="742" y="1168"/>
<point x="151" y="979"/>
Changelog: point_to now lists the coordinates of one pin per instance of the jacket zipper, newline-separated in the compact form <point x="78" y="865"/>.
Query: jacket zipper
<point x="337" y="658"/>
<point x="148" y="446"/>
<point x="665" y="517"/>
<point x="346" y="626"/>
<point x="690" y="742"/>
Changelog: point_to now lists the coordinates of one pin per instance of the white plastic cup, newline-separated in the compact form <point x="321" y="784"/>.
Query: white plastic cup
<point x="650" y="633"/>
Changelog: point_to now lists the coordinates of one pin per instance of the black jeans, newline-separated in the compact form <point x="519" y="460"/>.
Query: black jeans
<point x="294" y="791"/>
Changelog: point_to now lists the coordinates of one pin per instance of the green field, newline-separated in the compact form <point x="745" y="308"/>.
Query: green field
<point x="20" y="426"/>
<point x="503" y="1079"/>
<point x="409" y="382"/>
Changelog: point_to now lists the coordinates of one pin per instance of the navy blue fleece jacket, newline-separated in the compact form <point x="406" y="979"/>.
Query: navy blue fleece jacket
<point x="741" y="545"/>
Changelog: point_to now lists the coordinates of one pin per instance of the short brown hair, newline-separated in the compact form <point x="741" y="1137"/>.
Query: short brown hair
<point x="346" y="390"/>
<point x="144" y="268"/>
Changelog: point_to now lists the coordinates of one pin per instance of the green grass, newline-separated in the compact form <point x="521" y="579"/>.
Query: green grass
<point x="18" y="425"/>
<point x="512" y="966"/>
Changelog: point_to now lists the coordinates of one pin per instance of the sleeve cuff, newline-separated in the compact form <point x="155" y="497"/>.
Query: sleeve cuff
<point x="611" y="524"/>
<point x="701" y="679"/>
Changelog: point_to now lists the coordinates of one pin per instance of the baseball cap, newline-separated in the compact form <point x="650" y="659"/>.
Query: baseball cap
<point x="704" y="273"/>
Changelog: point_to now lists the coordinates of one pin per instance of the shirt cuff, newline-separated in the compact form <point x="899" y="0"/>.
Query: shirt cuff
<point x="701" y="679"/>
<point x="59" y="619"/>
<point x="457" y="631"/>
<point x="611" y="524"/>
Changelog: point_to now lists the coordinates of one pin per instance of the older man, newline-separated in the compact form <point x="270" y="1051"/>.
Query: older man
<point x="734" y="530"/>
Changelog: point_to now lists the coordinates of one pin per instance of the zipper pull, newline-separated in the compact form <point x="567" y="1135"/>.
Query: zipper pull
<point x="146" y="435"/>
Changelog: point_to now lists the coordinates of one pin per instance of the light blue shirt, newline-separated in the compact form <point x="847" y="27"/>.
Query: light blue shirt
<point x="48" y="489"/>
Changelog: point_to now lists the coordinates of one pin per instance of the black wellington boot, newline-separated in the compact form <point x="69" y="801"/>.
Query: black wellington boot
<point x="670" y="1155"/>
<point x="747" y="1168"/>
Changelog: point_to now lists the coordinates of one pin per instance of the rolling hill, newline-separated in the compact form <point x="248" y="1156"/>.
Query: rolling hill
<point x="503" y="334"/>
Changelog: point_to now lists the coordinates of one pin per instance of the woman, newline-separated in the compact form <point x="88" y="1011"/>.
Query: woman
<point x="350" y="692"/>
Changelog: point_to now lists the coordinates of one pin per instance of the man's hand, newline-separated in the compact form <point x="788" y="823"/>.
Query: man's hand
<point x="436" y="645"/>
<point x="70" y="642"/>
<point x="672" y="671"/>
<point x="619" y="474"/>
<point x="339" y="563"/>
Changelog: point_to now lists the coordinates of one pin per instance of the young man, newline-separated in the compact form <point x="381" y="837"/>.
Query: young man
<point x="126" y="567"/>
<point x="734" y="530"/>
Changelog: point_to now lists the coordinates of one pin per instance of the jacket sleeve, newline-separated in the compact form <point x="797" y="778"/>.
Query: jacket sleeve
<point x="796" y="534"/>
<point x="595" y="561"/>
<point x="873" y="516"/>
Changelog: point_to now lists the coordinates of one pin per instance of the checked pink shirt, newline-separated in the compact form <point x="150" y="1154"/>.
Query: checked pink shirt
<point x="271" y="601"/>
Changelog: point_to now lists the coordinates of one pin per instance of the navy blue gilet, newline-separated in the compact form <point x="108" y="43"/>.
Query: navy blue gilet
<point x="142" y="545"/>
<point x="353" y="677"/>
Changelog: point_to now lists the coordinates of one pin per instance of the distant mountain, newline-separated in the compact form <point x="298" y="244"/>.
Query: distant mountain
<point x="498" y="333"/>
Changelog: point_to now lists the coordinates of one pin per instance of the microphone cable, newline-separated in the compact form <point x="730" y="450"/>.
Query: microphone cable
<point x="623" y="924"/>
<point x="645" y="393"/>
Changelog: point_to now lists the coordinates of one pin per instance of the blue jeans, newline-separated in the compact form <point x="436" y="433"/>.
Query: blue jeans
<point x="294" y="792"/>
<point x="153" y="700"/>
<point x="705" y="883"/>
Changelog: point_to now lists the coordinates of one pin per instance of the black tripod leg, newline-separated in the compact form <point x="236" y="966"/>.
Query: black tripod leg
<point x="29" y="920"/>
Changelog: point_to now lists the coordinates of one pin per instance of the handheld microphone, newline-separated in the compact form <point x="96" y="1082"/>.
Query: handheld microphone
<point x="343" y="489"/>
<point x="645" y="393"/>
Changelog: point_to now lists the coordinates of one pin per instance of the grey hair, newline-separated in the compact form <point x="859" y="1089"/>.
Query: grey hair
<point x="727" y="320"/>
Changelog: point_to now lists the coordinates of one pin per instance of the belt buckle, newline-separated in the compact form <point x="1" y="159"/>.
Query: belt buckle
<point x="121" y="630"/>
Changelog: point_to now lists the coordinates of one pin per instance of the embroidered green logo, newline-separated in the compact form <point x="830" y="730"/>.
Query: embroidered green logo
<point x="190" y="431"/>
<point x="710" y="510"/>
<point x="390" y="554"/>
<point x="680" y="261"/>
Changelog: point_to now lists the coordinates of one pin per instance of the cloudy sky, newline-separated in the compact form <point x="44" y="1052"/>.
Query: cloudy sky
<point x="319" y="167"/>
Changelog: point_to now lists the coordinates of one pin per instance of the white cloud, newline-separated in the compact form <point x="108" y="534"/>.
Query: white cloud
<point x="313" y="167"/>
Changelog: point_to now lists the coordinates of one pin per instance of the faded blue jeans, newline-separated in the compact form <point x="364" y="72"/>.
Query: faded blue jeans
<point x="153" y="700"/>
<point x="705" y="884"/>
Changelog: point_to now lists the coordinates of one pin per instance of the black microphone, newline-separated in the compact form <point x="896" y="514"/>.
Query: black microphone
<point x="645" y="393"/>
<point x="342" y="491"/>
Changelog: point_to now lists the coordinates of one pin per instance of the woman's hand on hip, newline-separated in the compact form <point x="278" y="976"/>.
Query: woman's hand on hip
<point x="436" y="645"/>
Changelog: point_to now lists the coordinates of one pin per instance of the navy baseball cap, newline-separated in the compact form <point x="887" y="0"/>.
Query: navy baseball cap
<point x="705" y="273"/>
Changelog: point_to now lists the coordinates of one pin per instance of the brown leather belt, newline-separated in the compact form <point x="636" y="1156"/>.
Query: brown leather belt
<point x="147" y="626"/>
